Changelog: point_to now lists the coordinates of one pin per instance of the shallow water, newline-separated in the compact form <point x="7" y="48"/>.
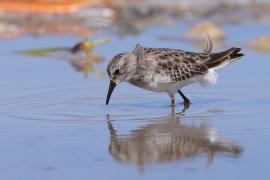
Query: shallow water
<point x="55" y="125"/>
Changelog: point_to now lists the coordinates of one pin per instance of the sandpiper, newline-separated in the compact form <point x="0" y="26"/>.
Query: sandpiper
<point x="168" y="70"/>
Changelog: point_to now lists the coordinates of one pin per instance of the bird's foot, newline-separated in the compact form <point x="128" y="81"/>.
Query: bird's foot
<point x="186" y="104"/>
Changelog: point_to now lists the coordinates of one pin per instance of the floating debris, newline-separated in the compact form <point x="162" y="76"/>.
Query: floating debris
<point x="80" y="56"/>
<point x="261" y="44"/>
<point x="44" y="51"/>
<point x="87" y="46"/>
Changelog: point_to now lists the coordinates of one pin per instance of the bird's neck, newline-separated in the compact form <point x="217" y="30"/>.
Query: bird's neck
<point x="131" y="66"/>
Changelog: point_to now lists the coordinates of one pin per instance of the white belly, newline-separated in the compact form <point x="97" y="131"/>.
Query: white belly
<point x="163" y="84"/>
<point x="157" y="86"/>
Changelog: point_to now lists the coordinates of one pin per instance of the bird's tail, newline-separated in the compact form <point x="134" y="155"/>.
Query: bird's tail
<point x="218" y="60"/>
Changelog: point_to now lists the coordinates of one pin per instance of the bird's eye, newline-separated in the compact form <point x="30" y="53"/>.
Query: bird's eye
<point x="116" y="72"/>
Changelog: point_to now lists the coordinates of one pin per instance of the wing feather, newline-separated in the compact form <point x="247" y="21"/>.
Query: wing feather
<point x="180" y="65"/>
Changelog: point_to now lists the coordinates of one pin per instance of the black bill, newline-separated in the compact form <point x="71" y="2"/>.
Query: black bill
<point x="110" y="91"/>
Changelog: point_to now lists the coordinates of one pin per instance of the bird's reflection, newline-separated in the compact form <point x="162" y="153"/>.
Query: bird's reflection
<point x="166" y="141"/>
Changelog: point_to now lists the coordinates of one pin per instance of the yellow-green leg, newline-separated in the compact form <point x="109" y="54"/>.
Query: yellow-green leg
<point x="172" y="104"/>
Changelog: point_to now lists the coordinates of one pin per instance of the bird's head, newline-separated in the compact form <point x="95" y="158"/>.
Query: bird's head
<point x="121" y="68"/>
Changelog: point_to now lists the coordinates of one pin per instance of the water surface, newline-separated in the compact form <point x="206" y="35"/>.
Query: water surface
<point x="54" y="123"/>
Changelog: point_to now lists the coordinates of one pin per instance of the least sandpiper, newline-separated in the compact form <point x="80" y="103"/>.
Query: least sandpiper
<point x="168" y="70"/>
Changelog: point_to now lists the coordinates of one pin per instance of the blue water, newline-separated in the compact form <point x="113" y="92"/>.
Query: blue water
<point x="54" y="123"/>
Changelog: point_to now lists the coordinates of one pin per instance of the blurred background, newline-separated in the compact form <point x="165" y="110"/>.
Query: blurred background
<point x="53" y="120"/>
